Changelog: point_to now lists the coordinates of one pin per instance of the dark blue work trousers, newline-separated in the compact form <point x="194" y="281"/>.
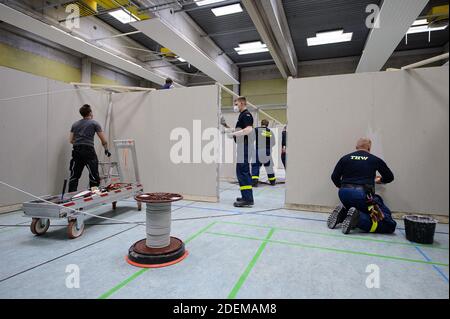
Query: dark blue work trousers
<point x="243" y="172"/>
<point x="357" y="198"/>
<point x="263" y="157"/>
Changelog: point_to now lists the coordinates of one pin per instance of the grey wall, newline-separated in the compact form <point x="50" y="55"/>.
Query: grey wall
<point x="344" y="65"/>
<point x="149" y="118"/>
<point x="34" y="131"/>
<point x="406" y="113"/>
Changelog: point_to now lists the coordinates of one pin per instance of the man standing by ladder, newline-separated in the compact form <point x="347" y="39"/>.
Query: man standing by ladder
<point x="83" y="154"/>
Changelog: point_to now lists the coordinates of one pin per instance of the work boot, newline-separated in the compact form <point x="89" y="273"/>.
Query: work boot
<point x="336" y="217"/>
<point x="273" y="183"/>
<point x="351" y="221"/>
<point x="255" y="183"/>
<point x="243" y="203"/>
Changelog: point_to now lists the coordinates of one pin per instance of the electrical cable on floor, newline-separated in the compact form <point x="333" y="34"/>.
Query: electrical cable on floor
<point x="71" y="209"/>
<point x="118" y="221"/>
<point x="174" y="220"/>
<point x="66" y="254"/>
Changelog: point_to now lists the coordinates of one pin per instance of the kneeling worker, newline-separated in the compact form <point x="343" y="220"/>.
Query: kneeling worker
<point x="242" y="135"/>
<point x="355" y="176"/>
<point x="83" y="153"/>
<point x="264" y="142"/>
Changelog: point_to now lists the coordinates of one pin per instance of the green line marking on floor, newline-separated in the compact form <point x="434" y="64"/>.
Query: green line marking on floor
<point x="336" y="235"/>
<point x="344" y="251"/>
<point x="201" y="231"/>
<point x="123" y="284"/>
<point x="250" y="266"/>
<point x="112" y="291"/>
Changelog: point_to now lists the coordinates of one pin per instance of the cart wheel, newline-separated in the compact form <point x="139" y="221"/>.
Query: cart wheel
<point x="38" y="227"/>
<point x="72" y="230"/>
<point x="114" y="205"/>
<point x="139" y="205"/>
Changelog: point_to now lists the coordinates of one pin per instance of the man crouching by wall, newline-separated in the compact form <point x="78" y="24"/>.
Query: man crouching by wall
<point x="355" y="176"/>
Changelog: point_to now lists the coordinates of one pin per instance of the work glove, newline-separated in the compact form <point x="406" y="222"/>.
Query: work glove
<point x="107" y="153"/>
<point x="223" y="122"/>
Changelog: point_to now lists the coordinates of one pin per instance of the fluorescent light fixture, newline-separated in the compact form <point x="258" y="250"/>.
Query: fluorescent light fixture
<point x="420" y="22"/>
<point x="181" y="59"/>
<point x="124" y="16"/>
<point x="330" y="37"/>
<point x="425" y="28"/>
<point x="206" y="2"/>
<point x="251" y="48"/>
<point x="222" y="11"/>
<point x="243" y="52"/>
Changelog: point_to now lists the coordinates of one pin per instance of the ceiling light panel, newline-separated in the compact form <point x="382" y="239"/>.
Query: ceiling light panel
<point x="206" y="2"/>
<point x="330" y="37"/>
<point x="251" y="48"/>
<point x="124" y="16"/>
<point x="425" y="28"/>
<point x="225" y="10"/>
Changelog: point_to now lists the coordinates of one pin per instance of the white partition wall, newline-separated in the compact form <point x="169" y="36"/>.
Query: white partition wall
<point x="23" y="135"/>
<point x="63" y="111"/>
<point x="228" y="168"/>
<point x="35" y="119"/>
<point x="406" y="113"/>
<point x="151" y="118"/>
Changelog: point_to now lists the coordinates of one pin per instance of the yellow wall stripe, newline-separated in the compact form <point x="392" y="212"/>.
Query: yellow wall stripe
<point x="38" y="65"/>
<point x="25" y="61"/>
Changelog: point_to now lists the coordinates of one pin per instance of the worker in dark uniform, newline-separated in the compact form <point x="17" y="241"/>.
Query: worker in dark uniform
<point x="264" y="142"/>
<point x="83" y="154"/>
<point x="169" y="84"/>
<point x="242" y="135"/>
<point x="283" y="146"/>
<point x="355" y="176"/>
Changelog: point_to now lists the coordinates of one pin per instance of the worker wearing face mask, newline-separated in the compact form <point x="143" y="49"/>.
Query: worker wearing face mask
<point x="242" y="135"/>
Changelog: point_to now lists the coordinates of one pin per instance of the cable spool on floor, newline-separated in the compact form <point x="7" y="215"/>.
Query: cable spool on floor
<point x="158" y="249"/>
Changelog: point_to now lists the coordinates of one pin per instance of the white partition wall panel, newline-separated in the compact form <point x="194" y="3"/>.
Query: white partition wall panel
<point x="150" y="118"/>
<point x="63" y="111"/>
<point x="34" y="132"/>
<point x="23" y="135"/>
<point x="228" y="168"/>
<point x="406" y="113"/>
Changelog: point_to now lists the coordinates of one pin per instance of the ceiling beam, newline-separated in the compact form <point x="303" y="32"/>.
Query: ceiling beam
<point x="179" y="33"/>
<point x="54" y="34"/>
<point x="270" y="20"/>
<point x="396" y="17"/>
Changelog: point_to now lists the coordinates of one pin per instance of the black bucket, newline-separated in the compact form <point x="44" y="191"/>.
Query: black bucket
<point x="420" y="229"/>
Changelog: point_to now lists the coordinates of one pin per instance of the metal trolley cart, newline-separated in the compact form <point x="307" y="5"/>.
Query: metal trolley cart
<point x="71" y="205"/>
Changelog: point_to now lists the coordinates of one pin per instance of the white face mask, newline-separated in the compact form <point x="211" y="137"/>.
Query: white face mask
<point x="236" y="109"/>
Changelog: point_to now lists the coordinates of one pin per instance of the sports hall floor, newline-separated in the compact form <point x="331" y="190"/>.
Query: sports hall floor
<point x="263" y="252"/>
